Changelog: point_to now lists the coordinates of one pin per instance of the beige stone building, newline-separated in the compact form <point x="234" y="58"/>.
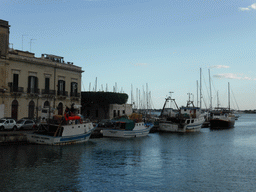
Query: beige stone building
<point x="28" y="83"/>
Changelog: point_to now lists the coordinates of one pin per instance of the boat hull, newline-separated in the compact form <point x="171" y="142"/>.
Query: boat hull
<point x="183" y="128"/>
<point x="38" y="138"/>
<point x="221" y="124"/>
<point x="50" y="140"/>
<point x="125" y="133"/>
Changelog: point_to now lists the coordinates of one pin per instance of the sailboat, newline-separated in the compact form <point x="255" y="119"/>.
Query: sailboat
<point x="222" y="118"/>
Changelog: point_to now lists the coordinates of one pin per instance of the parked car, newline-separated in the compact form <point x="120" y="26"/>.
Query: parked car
<point x="25" y="123"/>
<point x="6" y="123"/>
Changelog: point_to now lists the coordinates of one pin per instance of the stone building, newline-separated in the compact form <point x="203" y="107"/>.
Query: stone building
<point x="28" y="83"/>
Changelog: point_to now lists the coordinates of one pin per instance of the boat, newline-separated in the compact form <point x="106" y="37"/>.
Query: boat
<point x="61" y="130"/>
<point x="186" y="119"/>
<point x="222" y="118"/>
<point x="126" y="128"/>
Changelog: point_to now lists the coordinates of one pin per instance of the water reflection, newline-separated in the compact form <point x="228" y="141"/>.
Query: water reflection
<point x="205" y="161"/>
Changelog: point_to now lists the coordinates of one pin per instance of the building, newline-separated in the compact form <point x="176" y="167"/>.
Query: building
<point x="28" y="83"/>
<point x="104" y="105"/>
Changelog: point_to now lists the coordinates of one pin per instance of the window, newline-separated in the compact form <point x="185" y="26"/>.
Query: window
<point x="123" y="111"/>
<point x="46" y="104"/>
<point x="61" y="87"/>
<point x="114" y="113"/>
<point x="47" y="85"/>
<point x="15" y="82"/>
<point x="32" y="84"/>
<point x="73" y="91"/>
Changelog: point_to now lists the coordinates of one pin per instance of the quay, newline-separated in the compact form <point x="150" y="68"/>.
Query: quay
<point x="20" y="137"/>
<point x="13" y="137"/>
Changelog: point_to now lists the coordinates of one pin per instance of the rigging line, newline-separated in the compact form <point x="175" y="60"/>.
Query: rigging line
<point x="206" y="88"/>
<point x="234" y="98"/>
<point x="204" y="101"/>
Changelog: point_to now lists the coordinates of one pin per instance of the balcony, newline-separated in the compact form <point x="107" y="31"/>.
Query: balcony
<point x="33" y="91"/>
<point x="16" y="89"/>
<point x="48" y="92"/>
<point x="75" y="94"/>
<point x="62" y="93"/>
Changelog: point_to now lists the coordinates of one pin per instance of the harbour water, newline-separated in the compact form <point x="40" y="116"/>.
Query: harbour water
<point x="222" y="160"/>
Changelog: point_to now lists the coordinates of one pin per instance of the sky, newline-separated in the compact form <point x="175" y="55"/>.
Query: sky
<point x="147" y="48"/>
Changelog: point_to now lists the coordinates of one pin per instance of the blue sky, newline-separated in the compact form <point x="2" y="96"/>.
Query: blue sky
<point x="161" y="43"/>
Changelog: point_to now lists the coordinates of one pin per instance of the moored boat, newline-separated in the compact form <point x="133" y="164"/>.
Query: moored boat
<point x="186" y="119"/>
<point x="126" y="128"/>
<point x="222" y="118"/>
<point x="60" y="130"/>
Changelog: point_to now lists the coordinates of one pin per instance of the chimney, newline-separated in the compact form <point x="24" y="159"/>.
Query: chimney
<point x="4" y="37"/>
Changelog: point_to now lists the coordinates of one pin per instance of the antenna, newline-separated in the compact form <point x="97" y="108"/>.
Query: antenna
<point x="22" y="42"/>
<point x="31" y="43"/>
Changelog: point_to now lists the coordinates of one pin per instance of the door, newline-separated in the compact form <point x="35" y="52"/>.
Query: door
<point x="15" y="109"/>
<point x="31" y="109"/>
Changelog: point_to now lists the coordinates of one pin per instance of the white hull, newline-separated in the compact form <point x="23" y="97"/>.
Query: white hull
<point x="136" y="132"/>
<point x="169" y="126"/>
<point x="77" y="133"/>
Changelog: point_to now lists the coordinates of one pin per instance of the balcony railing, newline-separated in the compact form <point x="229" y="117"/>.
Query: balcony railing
<point x="74" y="94"/>
<point x="17" y="90"/>
<point x="48" y="92"/>
<point x="33" y="91"/>
<point x="62" y="93"/>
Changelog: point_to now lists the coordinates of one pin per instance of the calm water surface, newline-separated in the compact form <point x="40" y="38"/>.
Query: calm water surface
<point x="206" y="161"/>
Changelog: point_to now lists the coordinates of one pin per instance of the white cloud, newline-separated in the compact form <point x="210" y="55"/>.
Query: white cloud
<point x="140" y="64"/>
<point x="219" y="66"/>
<point x="253" y="6"/>
<point x="244" y="9"/>
<point x="232" y="76"/>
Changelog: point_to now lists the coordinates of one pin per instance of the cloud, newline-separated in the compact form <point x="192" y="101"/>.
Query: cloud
<point x="253" y="6"/>
<point x="140" y="64"/>
<point x="219" y="66"/>
<point x="232" y="76"/>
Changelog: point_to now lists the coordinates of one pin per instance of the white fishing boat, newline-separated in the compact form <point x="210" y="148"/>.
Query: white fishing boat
<point x="186" y="119"/>
<point x="60" y="130"/>
<point x="126" y="128"/>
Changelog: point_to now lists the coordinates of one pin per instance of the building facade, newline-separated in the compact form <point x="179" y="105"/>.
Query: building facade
<point x="28" y="83"/>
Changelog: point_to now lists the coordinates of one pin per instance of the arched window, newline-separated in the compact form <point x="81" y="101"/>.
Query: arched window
<point x="60" y="109"/>
<point x="46" y="104"/>
<point x="15" y="109"/>
<point x="31" y="109"/>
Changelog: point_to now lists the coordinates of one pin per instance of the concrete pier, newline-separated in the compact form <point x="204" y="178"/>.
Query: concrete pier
<point x="13" y="137"/>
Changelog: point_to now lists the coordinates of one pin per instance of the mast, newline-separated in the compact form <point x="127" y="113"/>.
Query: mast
<point x="210" y="90"/>
<point x="200" y="88"/>
<point x="218" y="104"/>
<point x="228" y="97"/>
<point x="197" y="93"/>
